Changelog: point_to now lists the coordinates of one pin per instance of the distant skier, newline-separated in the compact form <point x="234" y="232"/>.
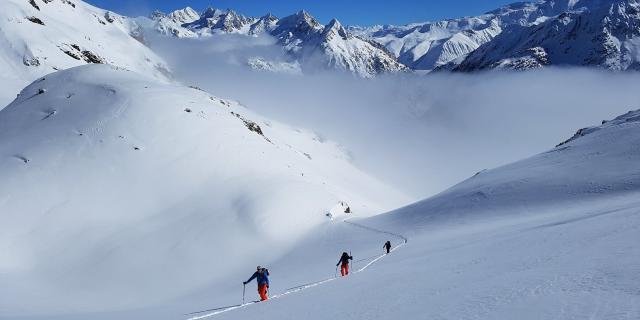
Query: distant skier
<point x="344" y="260"/>
<point x="262" y="276"/>
<point x="387" y="246"/>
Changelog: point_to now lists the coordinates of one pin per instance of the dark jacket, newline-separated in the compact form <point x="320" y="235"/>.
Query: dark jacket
<point x="262" y="277"/>
<point x="344" y="259"/>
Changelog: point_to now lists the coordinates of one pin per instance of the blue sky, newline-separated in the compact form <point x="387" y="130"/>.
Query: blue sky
<point x="360" y="12"/>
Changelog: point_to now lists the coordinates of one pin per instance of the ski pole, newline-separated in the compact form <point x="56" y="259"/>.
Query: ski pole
<point x="335" y="275"/>
<point x="244" y="286"/>
<point x="353" y="267"/>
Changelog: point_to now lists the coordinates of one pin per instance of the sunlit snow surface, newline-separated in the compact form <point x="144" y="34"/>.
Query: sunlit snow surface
<point x="125" y="198"/>
<point x="116" y="188"/>
<point x="551" y="236"/>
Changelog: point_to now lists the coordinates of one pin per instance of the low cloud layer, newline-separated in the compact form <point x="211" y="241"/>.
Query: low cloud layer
<point x="421" y="134"/>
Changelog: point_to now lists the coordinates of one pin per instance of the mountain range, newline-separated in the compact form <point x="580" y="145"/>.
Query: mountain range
<point x="520" y="36"/>
<point x="301" y="36"/>
<point x="37" y="38"/>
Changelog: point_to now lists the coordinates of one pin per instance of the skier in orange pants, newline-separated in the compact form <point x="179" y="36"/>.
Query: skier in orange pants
<point x="262" y="276"/>
<point x="262" y="291"/>
<point x="344" y="260"/>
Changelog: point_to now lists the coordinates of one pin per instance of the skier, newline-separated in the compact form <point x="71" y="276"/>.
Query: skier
<point x="344" y="260"/>
<point x="387" y="246"/>
<point x="262" y="277"/>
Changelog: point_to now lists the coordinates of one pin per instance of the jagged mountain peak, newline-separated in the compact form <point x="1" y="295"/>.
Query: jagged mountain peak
<point x="231" y="21"/>
<point x="263" y="24"/>
<point x="185" y="15"/>
<point x="157" y="14"/>
<point x="300" y="21"/>
<point x="334" y="23"/>
<point x="211" y="12"/>
<point x="335" y="27"/>
<point x="208" y="18"/>
<point x="269" y="17"/>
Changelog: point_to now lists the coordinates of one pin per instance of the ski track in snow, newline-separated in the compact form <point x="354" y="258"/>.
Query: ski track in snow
<point x="300" y="288"/>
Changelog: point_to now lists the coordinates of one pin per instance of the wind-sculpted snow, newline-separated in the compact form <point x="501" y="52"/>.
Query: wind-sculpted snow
<point x="118" y="191"/>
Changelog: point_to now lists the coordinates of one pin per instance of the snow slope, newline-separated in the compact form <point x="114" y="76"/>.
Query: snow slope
<point x="39" y="37"/>
<point x="118" y="191"/>
<point x="551" y="236"/>
<point x="597" y="162"/>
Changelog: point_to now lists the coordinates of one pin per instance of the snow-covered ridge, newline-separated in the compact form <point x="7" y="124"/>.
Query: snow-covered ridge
<point x="627" y="118"/>
<point x="39" y="37"/>
<point x="597" y="161"/>
<point x="122" y="164"/>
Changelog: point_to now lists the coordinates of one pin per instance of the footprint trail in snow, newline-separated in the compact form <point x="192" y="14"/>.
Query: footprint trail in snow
<point x="300" y="288"/>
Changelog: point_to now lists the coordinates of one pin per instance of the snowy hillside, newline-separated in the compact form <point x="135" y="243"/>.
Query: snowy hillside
<point x="552" y="236"/>
<point x="307" y="42"/>
<point x="39" y="37"/>
<point x="597" y="162"/>
<point x="108" y="174"/>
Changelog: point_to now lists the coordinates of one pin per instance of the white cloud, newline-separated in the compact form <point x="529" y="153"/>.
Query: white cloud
<point x="420" y="133"/>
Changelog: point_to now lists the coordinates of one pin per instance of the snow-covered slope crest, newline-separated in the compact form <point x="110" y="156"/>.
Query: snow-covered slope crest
<point x="597" y="161"/>
<point x="119" y="191"/>
<point x="39" y="37"/>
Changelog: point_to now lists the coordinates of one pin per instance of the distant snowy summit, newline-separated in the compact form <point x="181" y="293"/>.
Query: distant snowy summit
<point x="307" y="41"/>
<point x="521" y="36"/>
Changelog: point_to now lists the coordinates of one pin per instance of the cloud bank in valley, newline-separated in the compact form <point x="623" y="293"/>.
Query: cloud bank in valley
<point x="419" y="133"/>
